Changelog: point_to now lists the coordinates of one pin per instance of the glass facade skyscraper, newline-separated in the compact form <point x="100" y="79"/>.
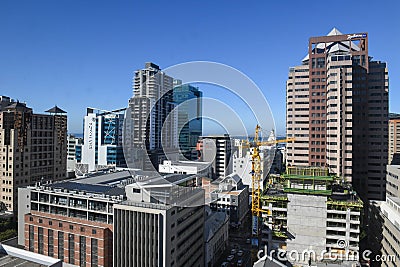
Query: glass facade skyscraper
<point x="189" y="101"/>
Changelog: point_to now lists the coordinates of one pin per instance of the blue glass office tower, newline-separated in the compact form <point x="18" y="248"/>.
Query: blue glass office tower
<point x="189" y="101"/>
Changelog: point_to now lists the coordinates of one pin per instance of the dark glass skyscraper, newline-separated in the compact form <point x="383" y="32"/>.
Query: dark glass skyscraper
<point x="189" y="102"/>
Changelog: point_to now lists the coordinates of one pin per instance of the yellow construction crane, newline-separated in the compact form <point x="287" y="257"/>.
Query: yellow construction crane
<point x="256" y="208"/>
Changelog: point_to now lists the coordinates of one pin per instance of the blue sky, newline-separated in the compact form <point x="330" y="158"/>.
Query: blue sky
<point x="78" y="54"/>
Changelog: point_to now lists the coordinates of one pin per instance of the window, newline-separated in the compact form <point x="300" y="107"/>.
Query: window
<point x="94" y="252"/>
<point x="31" y="237"/>
<point x="82" y="251"/>
<point x="61" y="246"/>
<point x="71" y="249"/>
<point x="40" y="240"/>
<point x="50" y="243"/>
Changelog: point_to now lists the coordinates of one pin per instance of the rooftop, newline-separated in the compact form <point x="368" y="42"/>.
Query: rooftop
<point x="11" y="256"/>
<point x="89" y="188"/>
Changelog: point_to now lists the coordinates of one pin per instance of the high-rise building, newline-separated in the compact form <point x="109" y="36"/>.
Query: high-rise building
<point x="217" y="150"/>
<point x="337" y="109"/>
<point x="394" y="138"/>
<point x="189" y="101"/>
<point x="33" y="148"/>
<point x="102" y="147"/>
<point x="154" y="124"/>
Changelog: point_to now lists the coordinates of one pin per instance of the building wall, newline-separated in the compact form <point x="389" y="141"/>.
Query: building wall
<point x="189" y="103"/>
<point x="102" y="146"/>
<point x="336" y="101"/>
<point x="242" y="166"/>
<point x="217" y="149"/>
<point x="218" y="242"/>
<point x="34" y="148"/>
<point x="390" y="211"/>
<point x="167" y="236"/>
<point x="154" y="123"/>
<point x="392" y="181"/>
<point x="394" y="138"/>
<point x="306" y="221"/>
<point x="85" y="234"/>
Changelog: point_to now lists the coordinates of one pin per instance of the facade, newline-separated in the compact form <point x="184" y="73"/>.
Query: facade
<point x="216" y="237"/>
<point x="154" y="125"/>
<point x="102" y="147"/>
<point x="242" y="160"/>
<point x="71" y="221"/>
<point x="394" y="139"/>
<point x="390" y="213"/>
<point x="216" y="149"/>
<point x="33" y="147"/>
<point x="74" y="153"/>
<point x="167" y="235"/>
<point x="308" y="208"/>
<point x="189" y="102"/>
<point x="337" y="99"/>
<point x="231" y="197"/>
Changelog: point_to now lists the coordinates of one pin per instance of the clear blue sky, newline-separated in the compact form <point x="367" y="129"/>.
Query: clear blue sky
<point x="83" y="53"/>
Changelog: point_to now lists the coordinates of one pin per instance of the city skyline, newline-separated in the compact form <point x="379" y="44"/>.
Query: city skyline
<point x="68" y="54"/>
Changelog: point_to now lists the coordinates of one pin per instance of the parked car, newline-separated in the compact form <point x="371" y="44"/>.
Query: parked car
<point x="225" y="264"/>
<point x="240" y="262"/>
<point x="240" y="253"/>
<point x="230" y="258"/>
<point x="233" y="251"/>
<point x="248" y="241"/>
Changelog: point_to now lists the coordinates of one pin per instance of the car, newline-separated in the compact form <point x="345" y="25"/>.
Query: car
<point x="230" y="258"/>
<point x="225" y="264"/>
<point x="239" y="262"/>
<point x="240" y="253"/>
<point x="233" y="251"/>
<point x="248" y="241"/>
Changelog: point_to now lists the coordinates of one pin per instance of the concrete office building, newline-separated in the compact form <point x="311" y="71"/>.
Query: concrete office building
<point x="72" y="221"/>
<point x="306" y="209"/>
<point x="189" y="102"/>
<point x="150" y="232"/>
<point x="232" y="197"/>
<point x="102" y="147"/>
<point x="337" y="100"/>
<point x="154" y="125"/>
<point x="216" y="149"/>
<point x="394" y="139"/>
<point x="33" y="148"/>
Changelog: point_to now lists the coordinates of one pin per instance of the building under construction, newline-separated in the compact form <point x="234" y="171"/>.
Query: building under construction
<point x="33" y="148"/>
<point x="306" y="209"/>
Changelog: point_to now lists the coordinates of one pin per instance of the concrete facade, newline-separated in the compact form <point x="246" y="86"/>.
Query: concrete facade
<point x="217" y="150"/>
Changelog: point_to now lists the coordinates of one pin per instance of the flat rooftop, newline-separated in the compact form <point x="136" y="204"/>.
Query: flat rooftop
<point x="109" y="178"/>
<point x="89" y="188"/>
<point x="10" y="261"/>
